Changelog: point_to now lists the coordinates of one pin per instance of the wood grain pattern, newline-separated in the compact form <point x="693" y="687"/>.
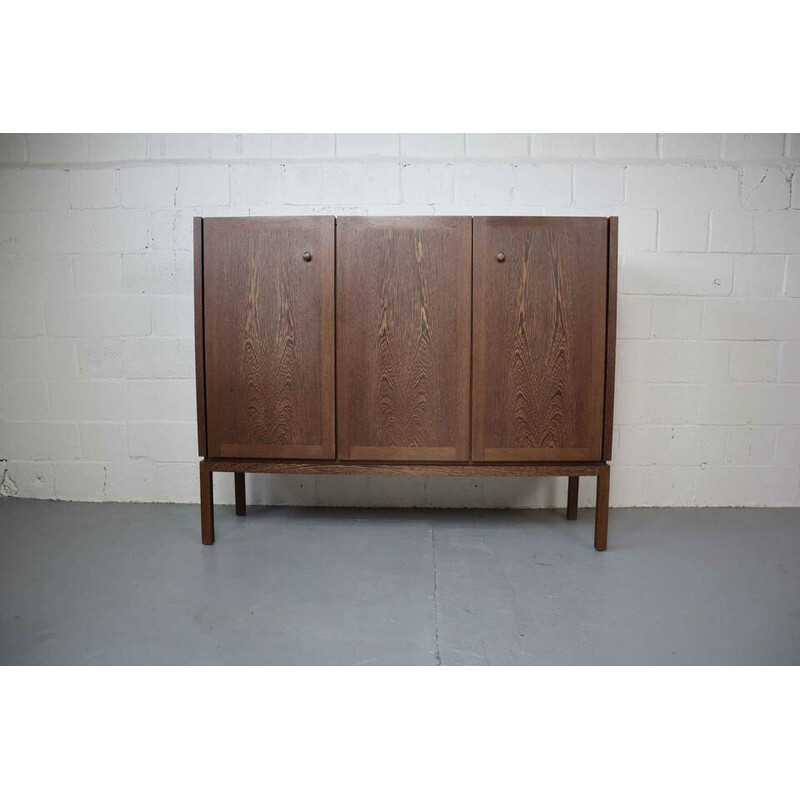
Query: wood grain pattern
<point x="539" y="338"/>
<point x="355" y="468"/>
<point x="403" y="337"/>
<point x="611" y="337"/>
<point x="269" y="336"/>
<point x="199" y="337"/>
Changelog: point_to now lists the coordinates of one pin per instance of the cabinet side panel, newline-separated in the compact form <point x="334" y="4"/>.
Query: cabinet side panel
<point x="539" y="338"/>
<point x="611" y="337"/>
<point x="199" y="337"/>
<point x="269" y="305"/>
<point x="403" y="338"/>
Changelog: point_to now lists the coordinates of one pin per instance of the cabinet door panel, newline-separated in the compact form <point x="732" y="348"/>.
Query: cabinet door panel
<point x="403" y="338"/>
<point x="269" y="337"/>
<point x="539" y="334"/>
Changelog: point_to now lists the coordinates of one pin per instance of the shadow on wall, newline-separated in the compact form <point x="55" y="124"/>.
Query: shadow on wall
<point x="375" y="491"/>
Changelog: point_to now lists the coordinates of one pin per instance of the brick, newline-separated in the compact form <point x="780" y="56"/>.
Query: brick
<point x="730" y="232"/>
<point x="428" y="183"/>
<point x="30" y="359"/>
<point x="794" y="145"/>
<point x="598" y="186"/>
<point x="543" y="184"/>
<point x="343" y="183"/>
<point x="765" y="189"/>
<point x="79" y="481"/>
<point x="173" y="316"/>
<point x="759" y="318"/>
<point x="148" y="187"/>
<point x="103" y="441"/>
<point x="19" y="232"/>
<point x="356" y="145"/>
<point x="432" y="145"/>
<point x="486" y="184"/>
<point x="677" y="317"/>
<point x="630" y="405"/>
<point x="787" y="446"/>
<point x="205" y="185"/>
<point x="750" y="446"/>
<point x="174" y="441"/>
<point x="160" y="358"/>
<point x="180" y="146"/>
<point x="793" y="276"/>
<point x="691" y="146"/>
<point x="637" y="229"/>
<point x="26" y="275"/>
<point x="683" y="231"/>
<point x="93" y="188"/>
<point x="115" y="147"/>
<point x="58" y="148"/>
<point x="24" y="400"/>
<point x="750" y="404"/>
<point x="758" y="275"/>
<point x="39" y="441"/>
<point x="303" y="145"/>
<point x="130" y="482"/>
<point x="497" y="145"/>
<point x="231" y="146"/>
<point x="32" y="479"/>
<point x="671" y="445"/>
<point x="754" y="361"/>
<point x="149" y="273"/>
<point x="175" y="400"/>
<point x="95" y="401"/>
<point x="796" y="189"/>
<point x="98" y="274"/>
<point x="777" y="231"/>
<point x="103" y="231"/>
<point x="12" y="148"/>
<point x="789" y="369"/>
<point x="682" y="187"/>
<point x="627" y="145"/>
<point x="21" y="317"/>
<point x="562" y="145"/>
<point x="634" y="317"/>
<point x="746" y="486"/>
<point x="178" y="483"/>
<point x="33" y="189"/>
<point x="256" y="184"/>
<point x="672" y="404"/>
<point x="752" y="146"/>
<point x="98" y="316"/>
<point x="677" y="273"/>
<point x="101" y="358"/>
<point x="668" y="486"/>
<point x="627" y="486"/>
<point x="657" y="361"/>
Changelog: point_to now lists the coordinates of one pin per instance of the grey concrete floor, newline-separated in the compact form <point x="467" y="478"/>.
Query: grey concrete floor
<point x="90" y="583"/>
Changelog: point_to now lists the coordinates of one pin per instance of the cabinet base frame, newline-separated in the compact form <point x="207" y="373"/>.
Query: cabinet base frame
<point x="573" y="471"/>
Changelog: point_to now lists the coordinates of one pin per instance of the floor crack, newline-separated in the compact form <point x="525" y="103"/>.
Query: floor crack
<point x="437" y="653"/>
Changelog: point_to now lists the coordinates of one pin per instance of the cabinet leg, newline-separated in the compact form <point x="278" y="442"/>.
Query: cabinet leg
<point x="601" y="510"/>
<point x="207" y="504"/>
<point x="238" y="486"/>
<point x="572" y="498"/>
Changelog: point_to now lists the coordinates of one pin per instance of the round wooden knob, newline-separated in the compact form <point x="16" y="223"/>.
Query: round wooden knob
<point x="501" y="257"/>
<point x="306" y="256"/>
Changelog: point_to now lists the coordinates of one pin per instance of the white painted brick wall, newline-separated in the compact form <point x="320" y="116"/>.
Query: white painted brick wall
<point x="97" y="396"/>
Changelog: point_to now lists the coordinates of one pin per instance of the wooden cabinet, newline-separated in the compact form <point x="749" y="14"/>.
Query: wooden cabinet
<point x="539" y="322"/>
<point x="269" y="346"/>
<point x="407" y="346"/>
<point x="403" y="338"/>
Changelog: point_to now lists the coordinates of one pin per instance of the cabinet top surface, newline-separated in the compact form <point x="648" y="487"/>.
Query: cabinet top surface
<point x="411" y="218"/>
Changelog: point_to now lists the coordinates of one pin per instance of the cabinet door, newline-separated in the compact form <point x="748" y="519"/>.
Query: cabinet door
<point x="269" y="336"/>
<point x="539" y="338"/>
<point x="403" y="338"/>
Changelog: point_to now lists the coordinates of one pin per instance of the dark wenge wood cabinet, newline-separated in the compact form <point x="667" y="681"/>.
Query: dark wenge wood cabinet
<point x="406" y="346"/>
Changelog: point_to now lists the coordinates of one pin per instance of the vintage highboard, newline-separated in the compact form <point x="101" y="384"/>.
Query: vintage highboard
<point x="405" y="346"/>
